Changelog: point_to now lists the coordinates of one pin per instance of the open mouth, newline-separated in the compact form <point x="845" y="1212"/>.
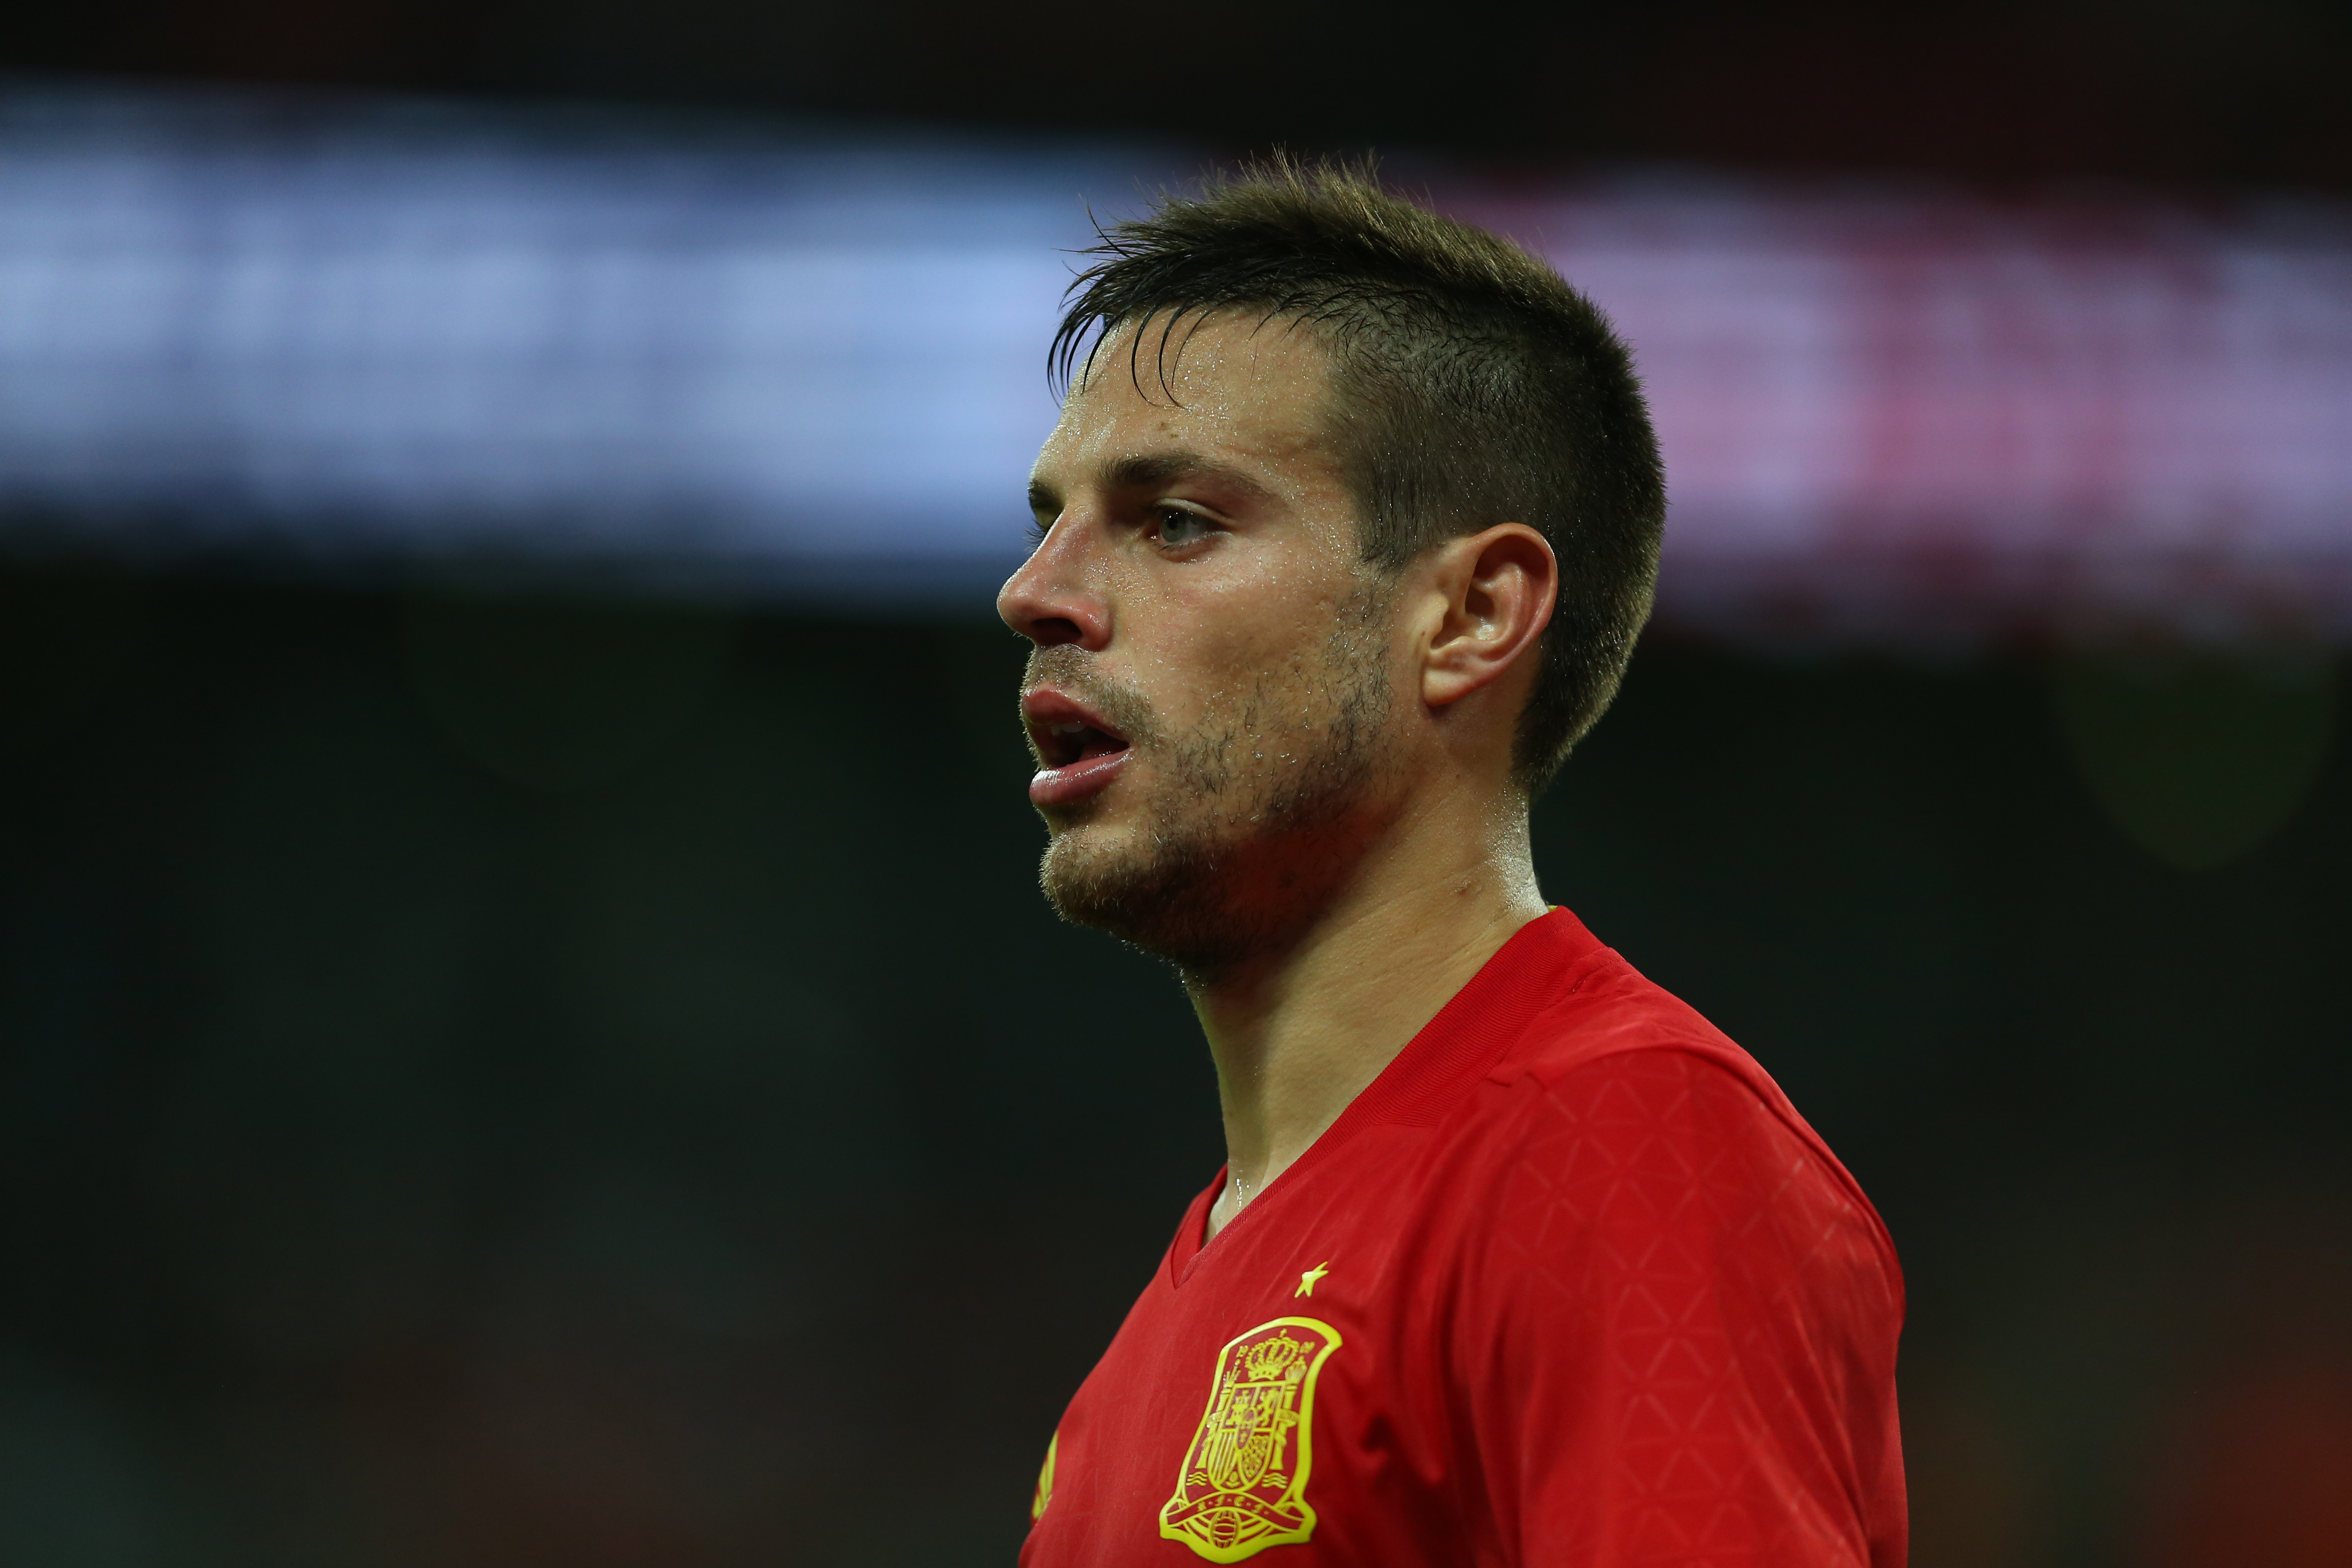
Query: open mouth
<point x="1077" y="753"/>
<point x="1069" y="741"/>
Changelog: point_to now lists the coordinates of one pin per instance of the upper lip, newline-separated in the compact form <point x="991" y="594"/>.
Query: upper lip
<point x="1057" y="725"/>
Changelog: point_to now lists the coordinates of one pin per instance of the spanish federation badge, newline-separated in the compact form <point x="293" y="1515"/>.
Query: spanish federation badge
<point x="1243" y="1485"/>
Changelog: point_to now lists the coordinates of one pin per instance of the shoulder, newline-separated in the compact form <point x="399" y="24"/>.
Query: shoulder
<point x="1621" y="1105"/>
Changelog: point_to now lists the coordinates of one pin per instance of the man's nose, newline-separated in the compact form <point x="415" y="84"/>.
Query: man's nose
<point x="1049" y="601"/>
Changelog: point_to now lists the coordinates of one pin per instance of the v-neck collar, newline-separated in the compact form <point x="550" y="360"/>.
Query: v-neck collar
<point x="1440" y="1064"/>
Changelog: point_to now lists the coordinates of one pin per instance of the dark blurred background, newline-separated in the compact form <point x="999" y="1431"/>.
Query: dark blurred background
<point x="511" y="1076"/>
<point x="2189" y="90"/>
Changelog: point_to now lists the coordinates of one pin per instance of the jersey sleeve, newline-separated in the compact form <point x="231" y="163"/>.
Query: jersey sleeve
<point x="1683" y="1333"/>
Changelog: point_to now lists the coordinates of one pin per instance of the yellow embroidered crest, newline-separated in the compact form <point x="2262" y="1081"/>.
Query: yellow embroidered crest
<point x="1243" y="1484"/>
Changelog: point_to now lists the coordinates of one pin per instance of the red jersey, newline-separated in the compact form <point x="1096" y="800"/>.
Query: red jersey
<point x="1570" y="1283"/>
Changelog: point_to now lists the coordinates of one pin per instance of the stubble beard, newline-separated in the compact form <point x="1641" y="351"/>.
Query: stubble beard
<point x="1254" y="820"/>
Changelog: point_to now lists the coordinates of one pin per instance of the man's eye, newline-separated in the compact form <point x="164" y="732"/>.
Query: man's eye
<point x="1178" y="527"/>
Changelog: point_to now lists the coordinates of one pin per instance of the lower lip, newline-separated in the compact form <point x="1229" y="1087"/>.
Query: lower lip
<point x="1078" y="781"/>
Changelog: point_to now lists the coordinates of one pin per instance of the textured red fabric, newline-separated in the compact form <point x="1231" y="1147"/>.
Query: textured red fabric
<point x="1586" y="1289"/>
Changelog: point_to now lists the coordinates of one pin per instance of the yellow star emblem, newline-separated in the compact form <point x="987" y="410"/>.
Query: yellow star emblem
<point x="1307" y="1281"/>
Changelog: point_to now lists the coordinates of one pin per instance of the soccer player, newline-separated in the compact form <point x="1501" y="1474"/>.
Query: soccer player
<point x="1344" y="537"/>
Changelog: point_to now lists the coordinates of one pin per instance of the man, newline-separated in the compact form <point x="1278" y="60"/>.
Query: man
<point x="1345" y="534"/>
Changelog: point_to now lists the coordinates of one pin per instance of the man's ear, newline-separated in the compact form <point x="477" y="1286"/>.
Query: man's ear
<point x="1498" y="588"/>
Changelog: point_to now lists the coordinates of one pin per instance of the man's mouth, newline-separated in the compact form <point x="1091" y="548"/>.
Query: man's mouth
<point x="1078" y="753"/>
<point x="1073" y="741"/>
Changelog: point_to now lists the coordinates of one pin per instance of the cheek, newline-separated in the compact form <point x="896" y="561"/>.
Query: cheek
<point x="1206" y="643"/>
<point x="1278" y="670"/>
<point x="1267" y="628"/>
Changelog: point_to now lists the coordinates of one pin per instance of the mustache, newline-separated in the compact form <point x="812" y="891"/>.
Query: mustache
<point x="1072" y="669"/>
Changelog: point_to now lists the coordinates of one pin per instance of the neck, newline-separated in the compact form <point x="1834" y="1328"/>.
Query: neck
<point x="1300" y="1031"/>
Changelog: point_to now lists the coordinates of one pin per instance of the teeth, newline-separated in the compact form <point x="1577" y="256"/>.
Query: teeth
<point x="1073" y="728"/>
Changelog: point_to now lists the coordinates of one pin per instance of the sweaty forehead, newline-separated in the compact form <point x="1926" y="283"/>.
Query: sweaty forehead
<point x="1230" y="378"/>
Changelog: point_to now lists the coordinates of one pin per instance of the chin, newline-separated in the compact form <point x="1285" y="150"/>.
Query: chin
<point x="1164" y="896"/>
<point x="1208" y="867"/>
<point x="1205" y="900"/>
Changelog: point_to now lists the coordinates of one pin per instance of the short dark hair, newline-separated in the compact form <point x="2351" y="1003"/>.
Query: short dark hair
<point x="1473" y="385"/>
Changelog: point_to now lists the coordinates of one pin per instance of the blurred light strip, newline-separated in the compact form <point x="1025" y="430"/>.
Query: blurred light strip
<point x="1898" y="416"/>
<point x="369" y="332"/>
<point x="814" y="364"/>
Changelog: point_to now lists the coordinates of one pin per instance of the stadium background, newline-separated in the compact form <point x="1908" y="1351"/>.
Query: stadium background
<point x="527" y="1036"/>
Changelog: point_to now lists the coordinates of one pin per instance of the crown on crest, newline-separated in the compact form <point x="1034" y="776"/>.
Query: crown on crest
<point x="1281" y="1357"/>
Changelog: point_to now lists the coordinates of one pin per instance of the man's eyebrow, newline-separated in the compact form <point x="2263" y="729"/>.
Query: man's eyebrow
<point x="1148" y="473"/>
